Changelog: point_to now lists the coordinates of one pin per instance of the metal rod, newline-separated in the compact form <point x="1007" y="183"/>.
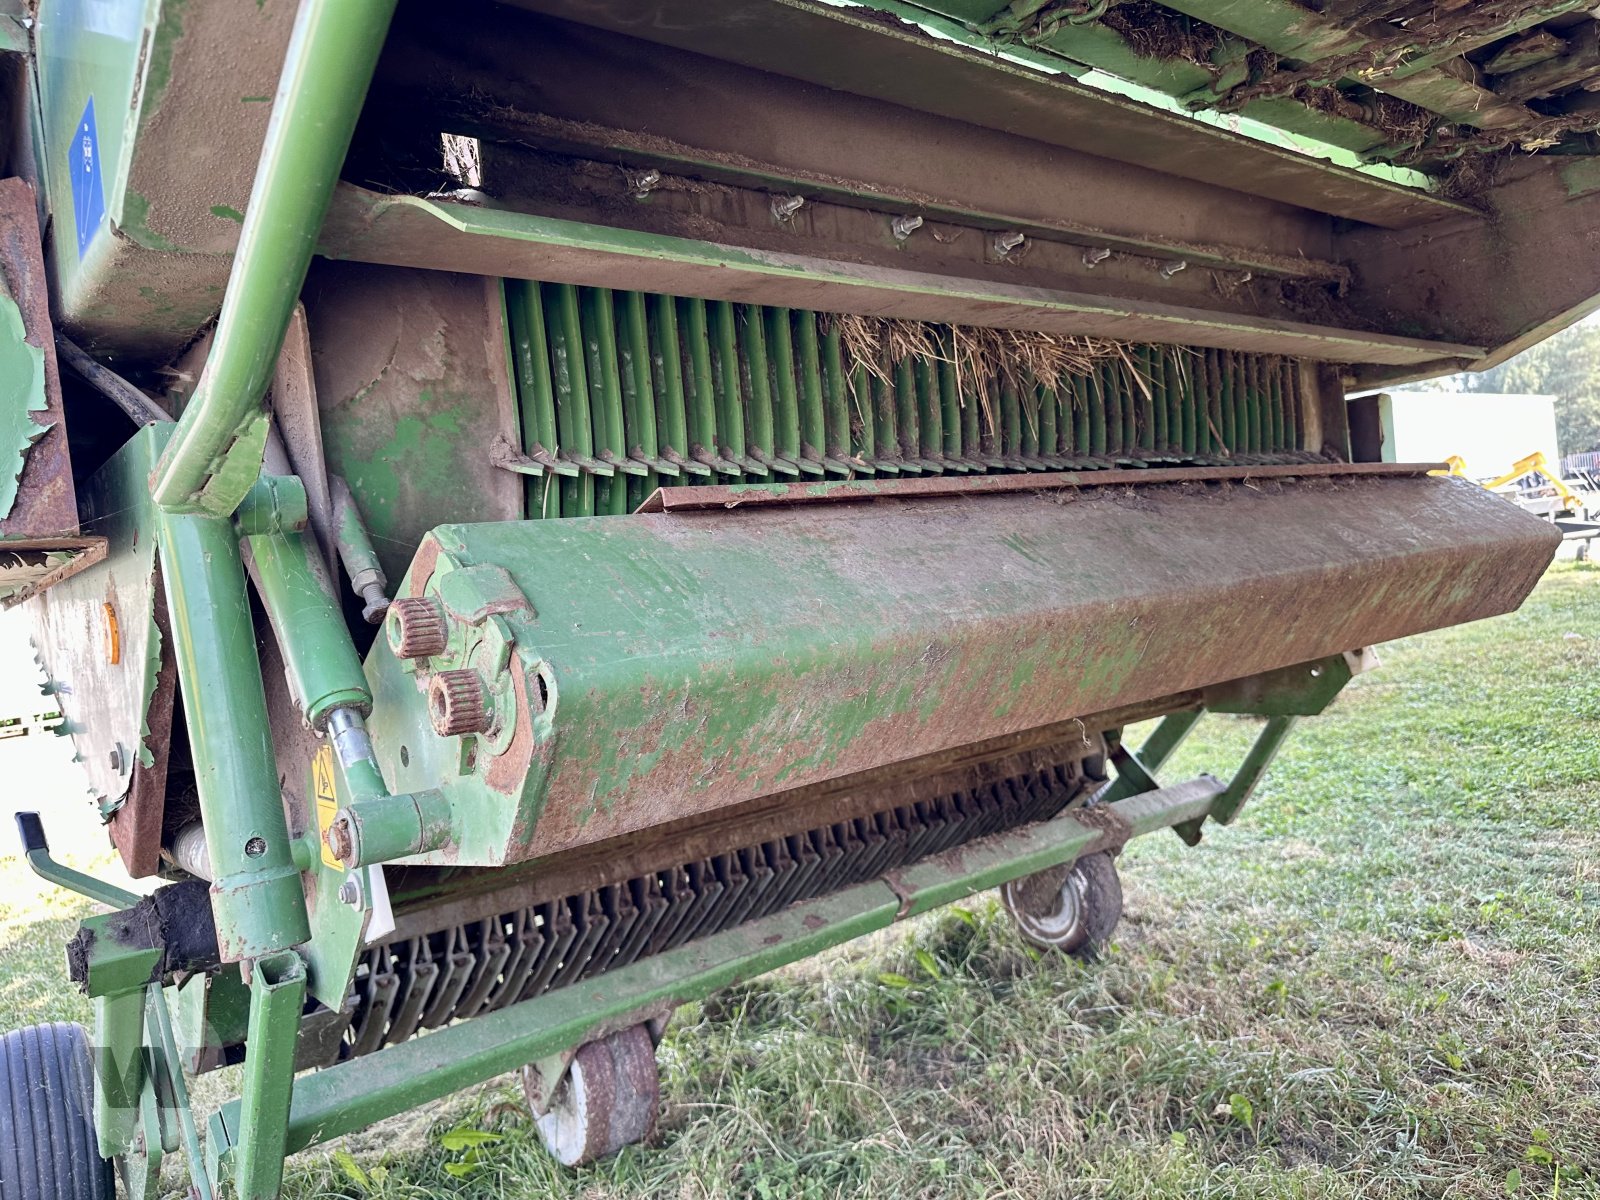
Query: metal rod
<point x="36" y="849"/>
<point x="329" y="65"/>
<point x="319" y="658"/>
<point x="168" y="1046"/>
<point x="257" y="899"/>
<point x="140" y="409"/>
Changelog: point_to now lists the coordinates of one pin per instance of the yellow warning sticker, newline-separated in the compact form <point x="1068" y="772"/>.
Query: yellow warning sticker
<point x="327" y="801"/>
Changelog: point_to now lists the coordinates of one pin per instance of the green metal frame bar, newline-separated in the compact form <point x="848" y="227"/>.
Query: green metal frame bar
<point x="257" y="898"/>
<point x="351" y="1096"/>
<point x="277" y="994"/>
<point x="326" y="72"/>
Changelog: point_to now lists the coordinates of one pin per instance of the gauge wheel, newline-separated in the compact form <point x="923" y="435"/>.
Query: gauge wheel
<point x="48" y="1147"/>
<point x="607" y="1100"/>
<point x="1072" y="909"/>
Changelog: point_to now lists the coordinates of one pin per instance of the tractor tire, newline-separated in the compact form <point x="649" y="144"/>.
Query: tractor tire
<point x="48" y="1148"/>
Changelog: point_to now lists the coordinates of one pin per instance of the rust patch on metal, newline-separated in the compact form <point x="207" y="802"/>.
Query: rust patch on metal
<point x="136" y="826"/>
<point x="1114" y="830"/>
<point x="506" y="772"/>
<point x="729" y="496"/>
<point x="46" y="504"/>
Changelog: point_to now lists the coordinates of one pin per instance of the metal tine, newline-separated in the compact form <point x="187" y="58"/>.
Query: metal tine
<point x="954" y="414"/>
<point x="381" y="990"/>
<point x="419" y="974"/>
<point x="758" y="878"/>
<point x="680" y="897"/>
<point x="930" y="415"/>
<point x="866" y="833"/>
<point x="666" y="368"/>
<point x="755" y="378"/>
<point x="725" y="372"/>
<point x="783" y="867"/>
<point x="571" y="385"/>
<point x="882" y="825"/>
<point x="454" y="976"/>
<point x="836" y="443"/>
<point x="651" y="906"/>
<point x="1190" y="393"/>
<point x="806" y="859"/>
<point x="785" y="396"/>
<point x="599" y="324"/>
<point x="952" y="826"/>
<point x="708" y="895"/>
<point x="1290" y="372"/>
<point x="700" y="387"/>
<point x="1144" y="393"/>
<point x="863" y="409"/>
<point x="923" y="828"/>
<point x="616" y="902"/>
<point x="492" y="951"/>
<point x="591" y="922"/>
<point x="886" y="429"/>
<point x="560" y="932"/>
<point x="730" y="871"/>
<point x="903" y="397"/>
<point x="1129" y="396"/>
<point x="530" y="356"/>
<point x="849" y="860"/>
<point x="527" y="940"/>
<point x="1050" y="426"/>
<point x="636" y="367"/>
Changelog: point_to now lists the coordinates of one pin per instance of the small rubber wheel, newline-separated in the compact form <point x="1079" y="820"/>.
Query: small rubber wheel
<point x="48" y="1148"/>
<point x="608" y="1099"/>
<point x="1071" y="909"/>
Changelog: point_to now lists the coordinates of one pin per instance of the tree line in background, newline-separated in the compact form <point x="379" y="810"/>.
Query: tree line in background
<point x="1566" y="366"/>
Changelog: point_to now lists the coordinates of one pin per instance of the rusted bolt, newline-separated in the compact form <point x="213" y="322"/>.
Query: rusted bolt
<point x="373" y="603"/>
<point x="784" y="207"/>
<point x="350" y="892"/>
<point x="904" y="226"/>
<point x="1005" y="243"/>
<point x="255" y="847"/>
<point x="456" y="703"/>
<point x="341" y="839"/>
<point x="417" y="628"/>
<point x="642" y="183"/>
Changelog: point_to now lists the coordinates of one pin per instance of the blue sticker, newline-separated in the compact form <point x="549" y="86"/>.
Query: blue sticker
<point x="83" y="166"/>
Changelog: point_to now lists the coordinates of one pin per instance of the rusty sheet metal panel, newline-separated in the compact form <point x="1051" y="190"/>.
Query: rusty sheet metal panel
<point x="413" y="381"/>
<point x="39" y="540"/>
<point x="673" y="665"/>
<point x="101" y="641"/>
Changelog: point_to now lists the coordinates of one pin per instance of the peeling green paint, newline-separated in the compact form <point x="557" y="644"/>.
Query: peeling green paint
<point x="22" y="393"/>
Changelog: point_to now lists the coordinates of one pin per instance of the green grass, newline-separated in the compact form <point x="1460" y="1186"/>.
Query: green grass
<point x="1384" y="981"/>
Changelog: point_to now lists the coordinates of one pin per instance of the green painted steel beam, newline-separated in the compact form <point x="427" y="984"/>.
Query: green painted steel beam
<point x="1293" y="31"/>
<point x="413" y="231"/>
<point x="356" y="1094"/>
<point x="257" y="898"/>
<point x="329" y="64"/>
<point x="1283" y="125"/>
<point x="277" y="994"/>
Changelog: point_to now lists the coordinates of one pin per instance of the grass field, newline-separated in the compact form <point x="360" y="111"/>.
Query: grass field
<point x="1383" y="982"/>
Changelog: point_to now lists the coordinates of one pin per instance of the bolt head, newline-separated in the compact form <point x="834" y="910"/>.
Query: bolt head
<point x="350" y="892"/>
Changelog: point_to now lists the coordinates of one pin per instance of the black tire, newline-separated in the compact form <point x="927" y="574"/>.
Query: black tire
<point x="48" y="1149"/>
<point x="1072" y="910"/>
